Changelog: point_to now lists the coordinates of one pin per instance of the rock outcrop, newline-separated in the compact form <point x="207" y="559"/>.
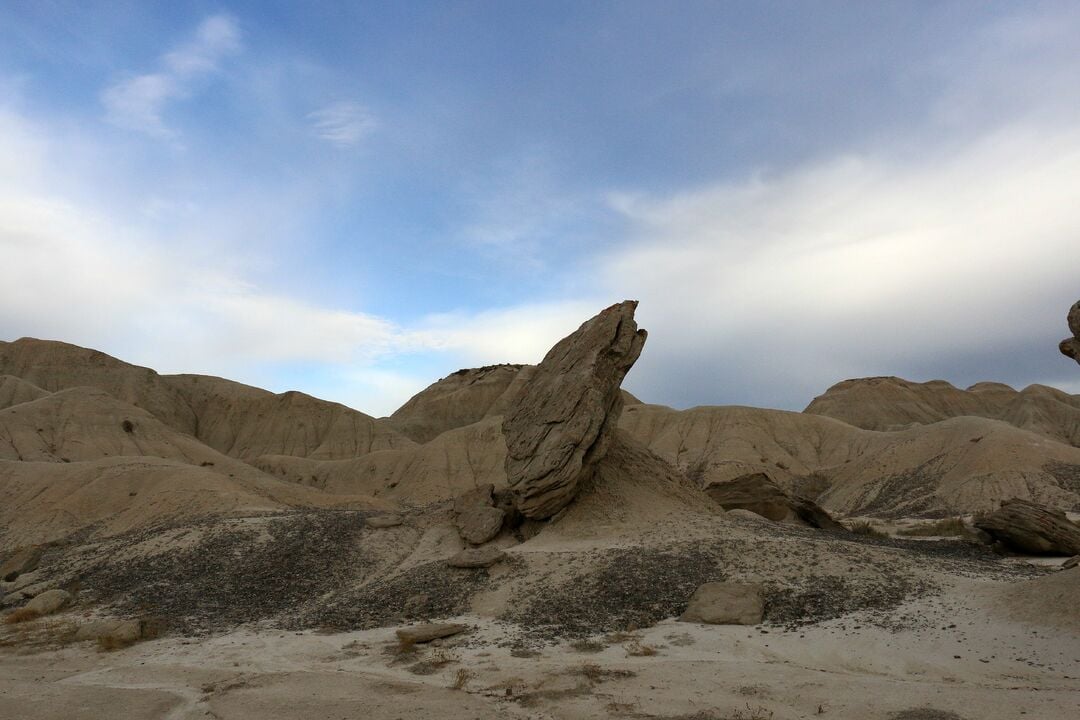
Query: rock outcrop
<point x="757" y="493"/>
<point x="23" y="561"/>
<point x="1032" y="528"/>
<point x="1070" y="347"/>
<point x="476" y="517"/>
<point x="560" y="423"/>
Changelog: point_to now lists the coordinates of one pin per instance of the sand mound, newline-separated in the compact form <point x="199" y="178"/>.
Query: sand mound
<point x="459" y="399"/>
<point x="455" y="461"/>
<point x="247" y="422"/>
<point x="54" y="366"/>
<point x="42" y="501"/>
<point x="232" y="418"/>
<point x="891" y="403"/>
<point x="961" y="465"/>
<point x="1049" y="600"/>
<point x="632" y="490"/>
<point x="15" y="391"/>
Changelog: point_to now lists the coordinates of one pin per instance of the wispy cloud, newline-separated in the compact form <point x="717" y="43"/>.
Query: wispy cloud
<point x="343" y="124"/>
<point x="139" y="102"/>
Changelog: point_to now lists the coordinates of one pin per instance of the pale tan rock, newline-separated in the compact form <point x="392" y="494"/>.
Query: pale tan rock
<point x="23" y="561"/>
<point x="477" y="557"/>
<point x="123" y="631"/>
<point x="1071" y="562"/>
<point x="50" y="601"/>
<point x="476" y="517"/>
<point x="429" y="631"/>
<point x="560" y="423"/>
<point x="383" y="521"/>
<point x="726" y="603"/>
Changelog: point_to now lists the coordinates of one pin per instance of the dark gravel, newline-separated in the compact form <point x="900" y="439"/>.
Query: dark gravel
<point x="620" y="590"/>
<point x="236" y="573"/>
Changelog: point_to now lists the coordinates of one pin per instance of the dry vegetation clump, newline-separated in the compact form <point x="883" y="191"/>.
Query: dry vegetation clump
<point x="21" y="615"/>
<point x="588" y="646"/>
<point x="461" y="679"/>
<point x="949" y="527"/>
<point x="867" y="528"/>
<point x="636" y="649"/>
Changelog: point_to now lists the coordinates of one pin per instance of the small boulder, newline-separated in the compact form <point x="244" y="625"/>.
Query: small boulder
<point x="122" y="631"/>
<point x="726" y="603"/>
<point x="383" y="521"/>
<point x="477" y="557"/>
<point x="1070" y="346"/>
<point x="23" y="561"/>
<point x="429" y="631"/>
<point x="50" y="601"/>
<point x="476" y="517"/>
<point x="1071" y="562"/>
<point x="1032" y="528"/>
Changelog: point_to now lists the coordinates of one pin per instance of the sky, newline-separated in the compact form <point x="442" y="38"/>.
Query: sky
<point x="356" y="199"/>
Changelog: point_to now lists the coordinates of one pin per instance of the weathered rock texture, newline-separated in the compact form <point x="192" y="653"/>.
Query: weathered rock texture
<point x="50" y="601"/>
<point x="757" y="493"/>
<point x="1033" y="528"/>
<point x="726" y="603"/>
<point x="23" y="561"/>
<point x="428" y="632"/>
<point x="476" y="557"/>
<point x="1070" y="347"/>
<point x="561" y="421"/>
<point x="476" y="517"/>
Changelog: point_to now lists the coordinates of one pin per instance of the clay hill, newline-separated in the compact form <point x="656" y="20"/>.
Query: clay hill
<point x="520" y="541"/>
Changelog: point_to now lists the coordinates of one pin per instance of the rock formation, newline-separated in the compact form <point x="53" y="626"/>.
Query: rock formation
<point x="1070" y="347"/>
<point x="476" y="517"/>
<point x="560" y="423"/>
<point x="1032" y="528"/>
<point x="757" y="493"/>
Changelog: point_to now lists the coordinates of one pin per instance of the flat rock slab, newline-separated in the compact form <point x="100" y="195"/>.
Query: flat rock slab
<point x="125" y="631"/>
<point x="429" y="631"/>
<point x="477" y="558"/>
<point x="384" y="521"/>
<point x="726" y="603"/>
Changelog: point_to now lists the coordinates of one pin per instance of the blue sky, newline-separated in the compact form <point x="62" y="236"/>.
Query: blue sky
<point x="354" y="199"/>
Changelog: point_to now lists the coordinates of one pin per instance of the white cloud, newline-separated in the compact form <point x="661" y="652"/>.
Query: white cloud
<point x="139" y="102"/>
<point x="342" y="123"/>
<point x="860" y="265"/>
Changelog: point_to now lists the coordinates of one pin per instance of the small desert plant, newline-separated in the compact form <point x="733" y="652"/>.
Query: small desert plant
<point x="946" y="527"/>
<point x="587" y="646"/>
<point x="128" y="426"/>
<point x="636" y="649"/>
<point x="406" y="645"/>
<point x="461" y="679"/>
<point x="21" y="615"/>
<point x="866" y="528"/>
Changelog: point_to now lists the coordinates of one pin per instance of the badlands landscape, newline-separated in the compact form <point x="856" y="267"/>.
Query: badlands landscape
<point x="533" y="542"/>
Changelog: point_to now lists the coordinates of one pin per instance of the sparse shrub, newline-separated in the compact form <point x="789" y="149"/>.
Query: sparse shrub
<point x="588" y="646"/>
<point x="636" y="649"/>
<point x="866" y="528"/>
<point x="946" y="527"/>
<point x="406" y="645"/>
<point x="128" y="426"/>
<point x="461" y="679"/>
<point x="21" y="615"/>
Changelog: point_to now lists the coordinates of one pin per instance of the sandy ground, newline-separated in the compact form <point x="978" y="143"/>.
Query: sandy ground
<point x="973" y="663"/>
